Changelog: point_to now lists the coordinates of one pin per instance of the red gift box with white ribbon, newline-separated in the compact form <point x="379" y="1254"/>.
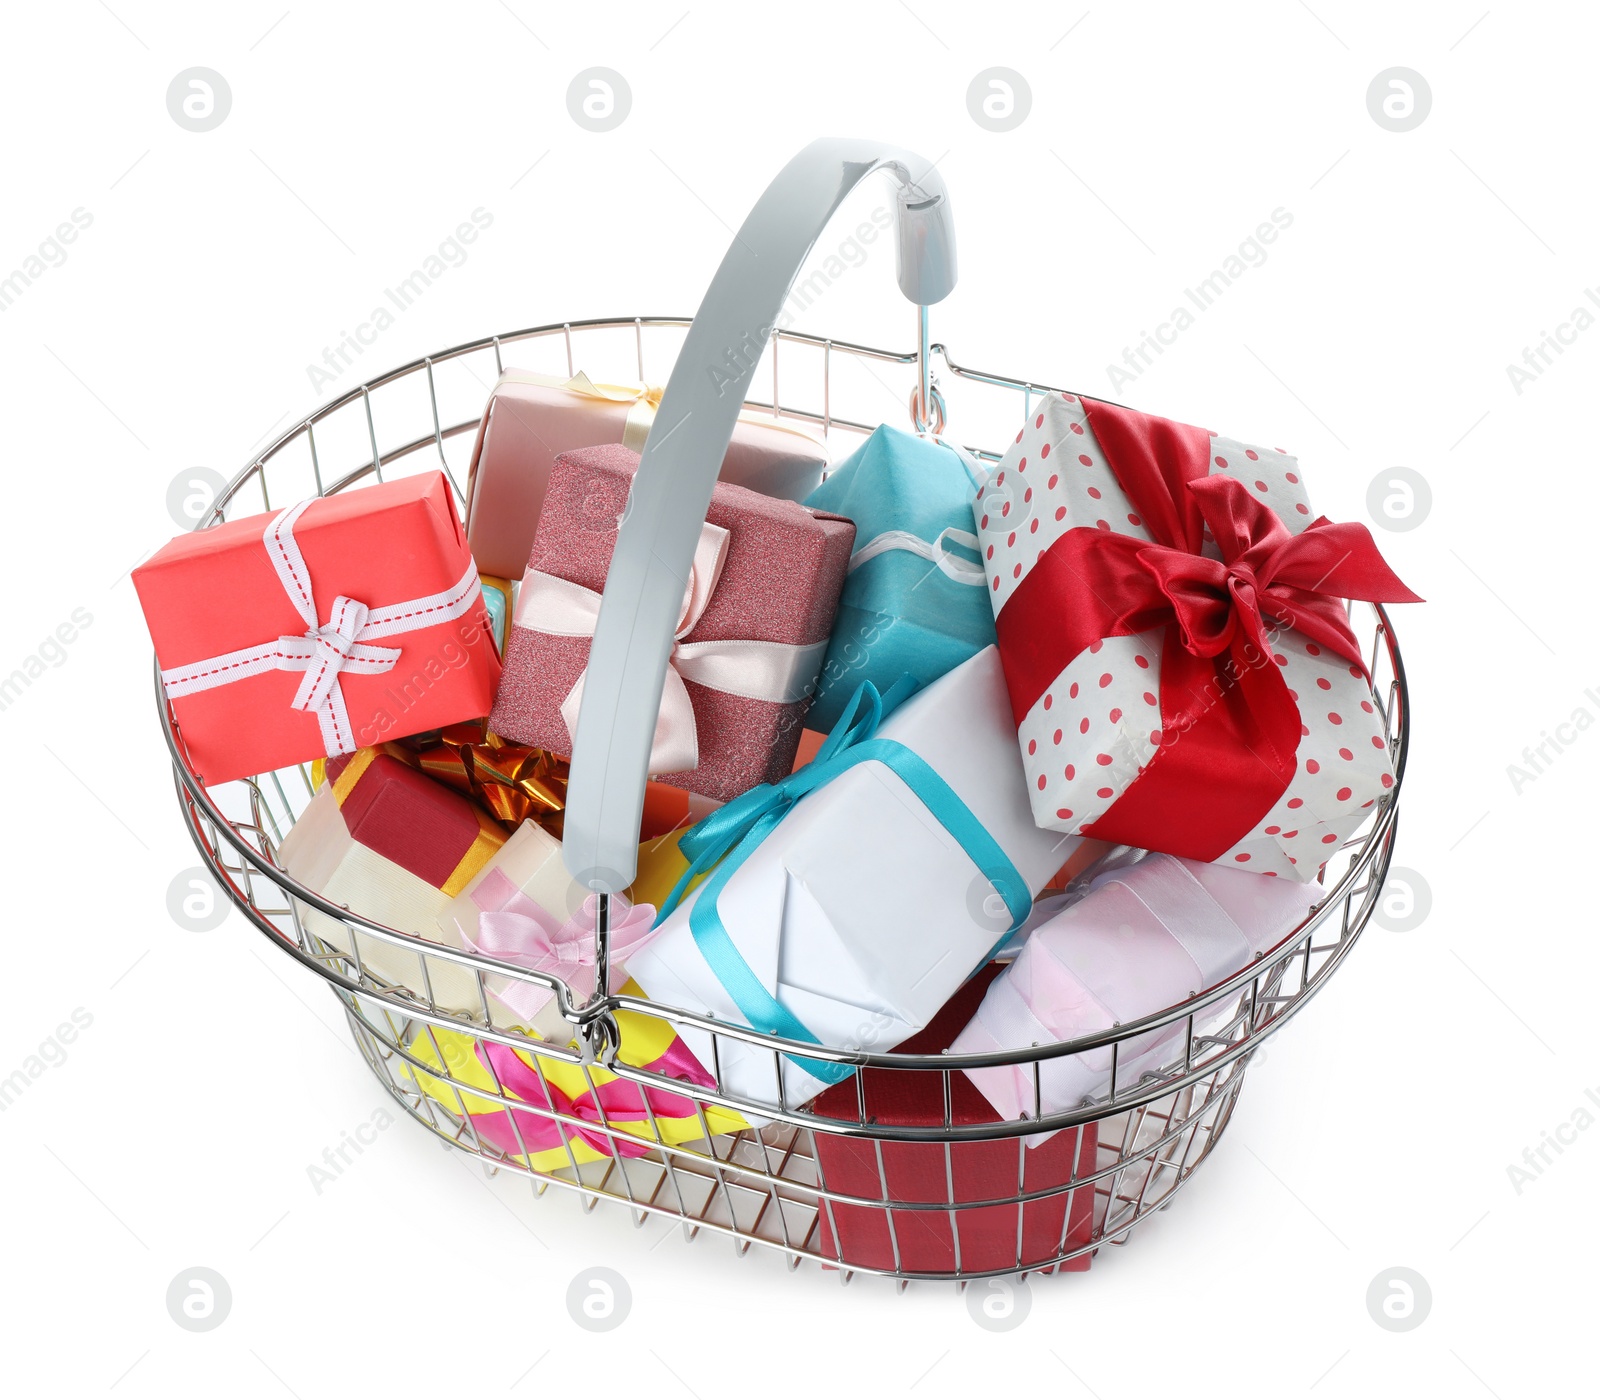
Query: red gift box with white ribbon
<point x="1171" y="621"/>
<point x="319" y="629"/>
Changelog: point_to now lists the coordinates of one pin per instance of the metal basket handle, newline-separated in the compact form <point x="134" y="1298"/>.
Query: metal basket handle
<point x="672" y="488"/>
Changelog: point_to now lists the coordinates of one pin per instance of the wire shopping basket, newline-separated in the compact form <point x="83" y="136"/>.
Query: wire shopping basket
<point x="810" y="1180"/>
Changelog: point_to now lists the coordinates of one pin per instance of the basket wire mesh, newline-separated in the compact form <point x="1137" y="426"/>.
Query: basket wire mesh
<point x="764" y="1185"/>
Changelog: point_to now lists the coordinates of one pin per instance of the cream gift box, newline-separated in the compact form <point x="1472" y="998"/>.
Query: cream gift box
<point x="379" y="839"/>
<point x="394" y="847"/>
<point x="860" y="913"/>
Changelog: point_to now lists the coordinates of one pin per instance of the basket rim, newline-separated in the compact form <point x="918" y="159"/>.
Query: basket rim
<point x="1373" y="857"/>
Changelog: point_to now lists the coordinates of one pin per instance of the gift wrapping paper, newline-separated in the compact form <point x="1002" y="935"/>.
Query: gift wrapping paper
<point x="979" y="1237"/>
<point x="400" y="849"/>
<point x="531" y="419"/>
<point x="861" y="910"/>
<point x="757" y="612"/>
<point x="1135" y="940"/>
<point x="515" y="783"/>
<point x="915" y="600"/>
<point x="592" y="1097"/>
<point x="522" y="908"/>
<point x="336" y="623"/>
<point x="1121" y="737"/>
<point x="392" y="846"/>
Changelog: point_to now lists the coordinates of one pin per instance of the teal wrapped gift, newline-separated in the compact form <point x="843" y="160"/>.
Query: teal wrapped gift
<point x="914" y="600"/>
<point x="500" y="598"/>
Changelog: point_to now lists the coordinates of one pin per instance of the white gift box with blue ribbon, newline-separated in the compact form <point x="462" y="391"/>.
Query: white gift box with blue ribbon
<point x="855" y="897"/>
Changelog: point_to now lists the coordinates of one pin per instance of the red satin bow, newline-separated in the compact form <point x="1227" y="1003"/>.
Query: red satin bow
<point x="1265" y="572"/>
<point x="1220" y="693"/>
<point x="620" y="1103"/>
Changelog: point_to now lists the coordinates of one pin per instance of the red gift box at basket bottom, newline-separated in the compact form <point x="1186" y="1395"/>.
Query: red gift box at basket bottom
<point x="1170" y="617"/>
<point x="922" y="1241"/>
<point x="312" y="631"/>
<point x="751" y="637"/>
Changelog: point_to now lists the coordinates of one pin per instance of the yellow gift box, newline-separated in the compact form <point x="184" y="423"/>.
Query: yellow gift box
<point x="598" y="1099"/>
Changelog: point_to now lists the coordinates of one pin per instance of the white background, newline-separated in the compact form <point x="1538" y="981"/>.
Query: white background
<point x="1375" y="1133"/>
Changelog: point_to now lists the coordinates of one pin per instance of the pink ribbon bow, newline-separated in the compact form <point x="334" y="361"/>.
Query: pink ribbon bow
<point x="513" y="929"/>
<point x="618" y="1101"/>
<point x="778" y="672"/>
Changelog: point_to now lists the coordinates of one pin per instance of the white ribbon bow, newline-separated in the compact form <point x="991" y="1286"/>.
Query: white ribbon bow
<point x="326" y="650"/>
<point x="952" y="566"/>
<point x="778" y="672"/>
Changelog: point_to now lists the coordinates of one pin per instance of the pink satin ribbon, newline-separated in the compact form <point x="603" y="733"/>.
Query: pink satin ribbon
<point x="618" y="1102"/>
<point x="513" y="929"/>
<point x="779" y="672"/>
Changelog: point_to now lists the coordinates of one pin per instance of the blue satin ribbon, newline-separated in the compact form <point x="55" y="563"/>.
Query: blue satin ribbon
<point x="726" y="838"/>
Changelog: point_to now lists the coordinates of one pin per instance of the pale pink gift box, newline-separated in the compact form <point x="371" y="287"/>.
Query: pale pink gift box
<point x="531" y="419"/>
<point x="1139" y="939"/>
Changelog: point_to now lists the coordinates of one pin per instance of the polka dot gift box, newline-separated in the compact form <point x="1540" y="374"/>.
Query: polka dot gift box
<point x="1172" y="625"/>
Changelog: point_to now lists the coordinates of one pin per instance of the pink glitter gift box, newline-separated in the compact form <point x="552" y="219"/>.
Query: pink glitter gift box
<point x="752" y="633"/>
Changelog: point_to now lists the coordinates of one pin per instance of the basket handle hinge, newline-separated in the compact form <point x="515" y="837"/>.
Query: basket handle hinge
<point x="599" y="1038"/>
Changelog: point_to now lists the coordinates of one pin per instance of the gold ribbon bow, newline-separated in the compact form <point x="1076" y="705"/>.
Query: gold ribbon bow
<point x="515" y="782"/>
